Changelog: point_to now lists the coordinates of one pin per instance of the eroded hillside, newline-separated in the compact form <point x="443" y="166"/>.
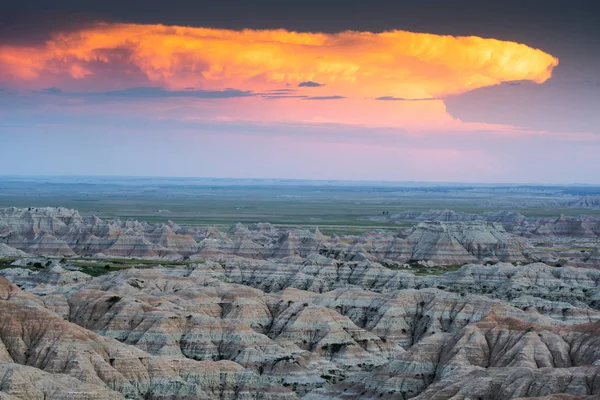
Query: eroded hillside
<point x="264" y="313"/>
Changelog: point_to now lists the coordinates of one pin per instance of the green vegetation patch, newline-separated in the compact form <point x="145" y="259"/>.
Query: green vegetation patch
<point x="103" y="266"/>
<point x="423" y="270"/>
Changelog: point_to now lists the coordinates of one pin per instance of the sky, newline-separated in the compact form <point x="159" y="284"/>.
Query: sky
<point x="405" y="90"/>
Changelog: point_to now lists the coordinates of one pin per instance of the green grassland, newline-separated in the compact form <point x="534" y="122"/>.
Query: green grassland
<point x="101" y="266"/>
<point x="423" y="270"/>
<point x="5" y="263"/>
<point x="334" y="209"/>
<point x="97" y="266"/>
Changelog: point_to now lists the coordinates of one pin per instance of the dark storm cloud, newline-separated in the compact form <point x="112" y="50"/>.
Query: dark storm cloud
<point x="149" y="92"/>
<point x="310" y="84"/>
<point x="281" y="90"/>
<point x="567" y="30"/>
<point x="153" y="92"/>
<point x="275" y="93"/>
<point x="392" y="98"/>
<point x="50" y="91"/>
<point x="502" y="19"/>
<point x="562" y="105"/>
<point x="324" y="98"/>
<point x="285" y="96"/>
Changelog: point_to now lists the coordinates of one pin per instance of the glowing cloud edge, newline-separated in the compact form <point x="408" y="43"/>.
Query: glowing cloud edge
<point x="397" y="64"/>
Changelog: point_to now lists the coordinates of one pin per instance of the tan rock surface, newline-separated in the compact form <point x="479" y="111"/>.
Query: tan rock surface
<point x="27" y="383"/>
<point x="265" y="312"/>
<point x="499" y="357"/>
<point x="35" y="337"/>
<point x="63" y="232"/>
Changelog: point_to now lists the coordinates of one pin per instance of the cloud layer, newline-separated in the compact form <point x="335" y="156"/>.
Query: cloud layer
<point x="236" y="103"/>
<point x="396" y="63"/>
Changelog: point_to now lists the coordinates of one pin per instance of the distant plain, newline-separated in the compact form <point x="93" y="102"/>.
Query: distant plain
<point x="333" y="206"/>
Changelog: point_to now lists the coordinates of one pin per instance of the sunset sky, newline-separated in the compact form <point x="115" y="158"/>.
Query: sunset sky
<point x="414" y="90"/>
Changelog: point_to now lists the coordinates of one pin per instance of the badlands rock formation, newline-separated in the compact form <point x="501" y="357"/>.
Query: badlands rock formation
<point x="497" y="358"/>
<point x="37" y="345"/>
<point x="460" y="243"/>
<point x="583" y="227"/>
<point x="63" y="232"/>
<point x="261" y="312"/>
<point x="593" y="260"/>
<point x="592" y="202"/>
<point x="10" y="252"/>
<point x="503" y="217"/>
<point x="553" y="240"/>
<point x="242" y="328"/>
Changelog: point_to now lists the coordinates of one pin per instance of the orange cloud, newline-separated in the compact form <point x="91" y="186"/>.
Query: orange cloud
<point x="347" y="71"/>
<point x="360" y="64"/>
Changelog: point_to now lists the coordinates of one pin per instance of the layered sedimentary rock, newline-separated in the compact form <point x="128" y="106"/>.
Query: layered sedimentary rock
<point x="502" y="217"/>
<point x="320" y="328"/>
<point x="570" y="227"/>
<point x="594" y="259"/>
<point x="450" y="243"/>
<point x="586" y="202"/>
<point x="579" y="202"/>
<point x="63" y="232"/>
<point x="448" y="238"/>
<point x="585" y="226"/>
<point x="10" y="252"/>
<point x="499" y="357"/>
<point x="32" y="336"/>
<point x="28" y="383"/>
<point x="208" y="319"/>
<point x="264" y="312"/>
<point x="568" y="288"/>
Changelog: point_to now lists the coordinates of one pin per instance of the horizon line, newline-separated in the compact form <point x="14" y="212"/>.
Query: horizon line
<point x="414" y="182"/>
